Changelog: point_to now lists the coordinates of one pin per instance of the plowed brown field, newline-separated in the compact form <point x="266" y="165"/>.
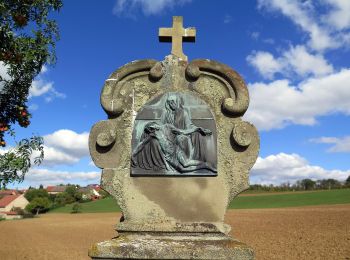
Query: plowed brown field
<point x="321" y="232"/>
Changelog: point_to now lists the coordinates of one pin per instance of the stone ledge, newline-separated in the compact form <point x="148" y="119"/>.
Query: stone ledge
<point x="168" y="226"/>
<point x="144" y="245"/>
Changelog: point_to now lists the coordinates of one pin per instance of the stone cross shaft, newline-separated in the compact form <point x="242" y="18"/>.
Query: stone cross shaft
<point x="177" y="34"/>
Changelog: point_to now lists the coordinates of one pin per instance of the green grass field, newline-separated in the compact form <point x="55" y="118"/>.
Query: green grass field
<point x="105" y="205"/>
<point x="297" y="199"/>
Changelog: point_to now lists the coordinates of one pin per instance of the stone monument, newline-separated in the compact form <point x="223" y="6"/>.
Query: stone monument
<point x="174" y="152"/>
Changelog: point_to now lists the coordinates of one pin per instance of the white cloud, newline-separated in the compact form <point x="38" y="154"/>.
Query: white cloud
<point x="39" y="86"/>
<point x="295" y="61"/>
<point x="339" y="145"/>
<point x="277" y="104"/>
<point x="43" y="69"/>
<point x="302" y="14"/>
<point x="37" y="176"/>
<point x="304" y="63"/>
<point x="339" y="16"/>
<point x="269" y="41"/>
<point x="255" y="35"/>
<point x="4" y="150"/>
<point x="148" y="7"/>
<point x="265" y="63"/>
<point x="53" y="156"/>
<point x="3" y="74"/>
<point x="33" y="107"/>
<point x="68" y="141"/>
<point x="42" y="87"/>
<point x="63" y="147"/>
<point x="227" y="18"/>
<point x="281" y="168"/>
<point x="3" y="71"/>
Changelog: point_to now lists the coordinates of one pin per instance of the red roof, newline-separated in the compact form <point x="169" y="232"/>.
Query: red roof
<point x="12" y="213"/>
<point x="7" y="200"/>
<point x="8" y="192"/>
<point x="56" y="188"/>
<point x="95" y="186"/>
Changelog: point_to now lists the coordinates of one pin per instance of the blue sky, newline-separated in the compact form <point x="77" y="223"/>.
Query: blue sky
<point x="293" y="56"/>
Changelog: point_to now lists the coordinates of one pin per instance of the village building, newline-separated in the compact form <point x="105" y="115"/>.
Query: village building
<point x="4" y="193"/>
<point x="55" y="189"/>
<point x="9" y="202"/>
<point x="90" y="192"/>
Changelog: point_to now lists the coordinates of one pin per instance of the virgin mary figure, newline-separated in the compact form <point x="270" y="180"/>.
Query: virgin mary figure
<point x="176" y="114"/>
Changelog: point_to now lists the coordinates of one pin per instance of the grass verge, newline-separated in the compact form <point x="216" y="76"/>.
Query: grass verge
<point x="297" y="199"/>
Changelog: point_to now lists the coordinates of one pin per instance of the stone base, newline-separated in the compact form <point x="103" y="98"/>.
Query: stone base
<point x="144" y="245"/>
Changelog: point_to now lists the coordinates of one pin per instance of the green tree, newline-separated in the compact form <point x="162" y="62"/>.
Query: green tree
<point x="38" y="205"/>
<point x="27" y="42"/>
<point x="31" y="194"/>
<point x="329" y="184"/>
<point x="73" y="192"/>
<point x="307" y="184"/>
<point x="347" y="182"/>
<point x="76" y="208"/>
<point x="15" y="163"/>
<point x="62" y="199"/>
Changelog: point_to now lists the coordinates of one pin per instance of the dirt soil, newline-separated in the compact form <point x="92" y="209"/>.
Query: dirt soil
<point x="321" y="232"/>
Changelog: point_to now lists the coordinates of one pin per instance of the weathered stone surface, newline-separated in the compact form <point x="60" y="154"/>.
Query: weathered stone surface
<point x="177" y="34"/>
<point x="174" y="217"/>
<point x="170" y="246"/>
<point x="173" y="201"/>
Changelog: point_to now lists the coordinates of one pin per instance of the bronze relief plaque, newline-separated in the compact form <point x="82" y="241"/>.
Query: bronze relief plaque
<point x="174" y="135"/>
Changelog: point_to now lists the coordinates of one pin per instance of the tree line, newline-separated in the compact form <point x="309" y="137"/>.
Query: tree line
<point x="40" y="201"/>
<point x="304" y="184"/>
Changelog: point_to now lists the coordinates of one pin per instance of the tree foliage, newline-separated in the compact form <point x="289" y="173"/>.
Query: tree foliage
<point x="36" y="193"/>
<point x="347" y="182"/>
<point x="304" y="184"/>
<point x="39" y="205"/>
<point x="307" y="184"/>
<point x="15" y="163"/>
<point x="73" y="192"/>
<point x="328" y="184"/>
<point x="70" y="195"/>
<point x="27" y="42"/>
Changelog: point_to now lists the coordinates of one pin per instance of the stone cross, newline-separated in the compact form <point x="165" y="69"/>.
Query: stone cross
<point x="177" y="34"/>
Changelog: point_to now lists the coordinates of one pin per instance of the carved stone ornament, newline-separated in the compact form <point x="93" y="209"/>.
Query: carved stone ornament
<point x="132" y="149"/>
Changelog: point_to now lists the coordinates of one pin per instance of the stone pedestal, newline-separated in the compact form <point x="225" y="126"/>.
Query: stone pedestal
<point x="148" y="245"/>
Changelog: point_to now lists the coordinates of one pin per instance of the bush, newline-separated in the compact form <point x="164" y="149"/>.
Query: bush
<point x="76" y="208"/>
<point x="23" y="213"/>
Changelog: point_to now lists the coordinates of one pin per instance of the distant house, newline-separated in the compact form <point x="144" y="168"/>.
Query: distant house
<point x="8" y="202"/>
<point x="55" y="189"/>
<point x="96" y="187"/>
<point x="4" y="193"/>
<point x="89" y="193"/>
